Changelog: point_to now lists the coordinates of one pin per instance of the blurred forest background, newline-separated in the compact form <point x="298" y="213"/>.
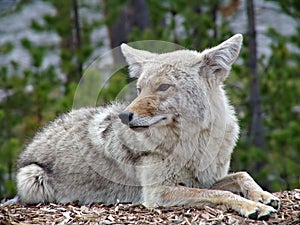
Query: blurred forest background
<point x="46" y="46"/>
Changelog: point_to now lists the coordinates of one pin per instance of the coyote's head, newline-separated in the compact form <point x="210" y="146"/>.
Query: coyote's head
<point x="178" y="86"/>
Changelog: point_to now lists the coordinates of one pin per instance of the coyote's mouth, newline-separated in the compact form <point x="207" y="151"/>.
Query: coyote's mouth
<point x="139" y="128"/>
<point x="144" y="123"/>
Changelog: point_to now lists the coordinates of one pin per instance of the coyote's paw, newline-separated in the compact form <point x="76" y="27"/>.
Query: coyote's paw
<point x="265" y="198"/>
<point x="256" y="210"/>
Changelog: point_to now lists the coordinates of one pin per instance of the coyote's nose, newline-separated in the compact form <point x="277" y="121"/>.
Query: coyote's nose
<point x="126" y="117"/>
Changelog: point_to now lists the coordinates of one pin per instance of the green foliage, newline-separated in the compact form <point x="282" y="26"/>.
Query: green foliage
<point x="291" y="7"/>
<point x="36" y="95"/>
<point x="191" y="24"/>
<point x="26" y="105"/>
<point x="111" y="16"/>
<point x="6" y="48"/>
<point x="7" y="165"/>
<point x="114" y="85"/>
<point x="280" y="86"/>
<point x="88" y="88"/>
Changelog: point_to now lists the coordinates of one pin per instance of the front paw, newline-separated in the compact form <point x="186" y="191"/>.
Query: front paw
<point x="256" y="210"/>
<point x="265" y="198"/>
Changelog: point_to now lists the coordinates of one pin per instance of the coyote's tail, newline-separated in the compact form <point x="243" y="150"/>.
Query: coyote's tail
<point x="33" y="185"/>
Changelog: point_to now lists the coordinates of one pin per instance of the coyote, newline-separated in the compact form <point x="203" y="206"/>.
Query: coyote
<point x="171" y="146"/>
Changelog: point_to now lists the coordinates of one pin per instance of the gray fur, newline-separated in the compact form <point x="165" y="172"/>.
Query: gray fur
<point x="183" y="135"/>
<point x="90" y="156"/>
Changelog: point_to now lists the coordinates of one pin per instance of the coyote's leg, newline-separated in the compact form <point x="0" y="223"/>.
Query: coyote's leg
<point x="179" y="195"/>
<point x="243" y="183"/>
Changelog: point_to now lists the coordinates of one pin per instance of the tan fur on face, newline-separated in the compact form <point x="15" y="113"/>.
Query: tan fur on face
<point x="143" y="106"/>
<point x="146" y="104"/>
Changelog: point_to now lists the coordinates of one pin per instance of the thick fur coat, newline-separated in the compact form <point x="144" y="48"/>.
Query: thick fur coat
<point x="171" y="146"/>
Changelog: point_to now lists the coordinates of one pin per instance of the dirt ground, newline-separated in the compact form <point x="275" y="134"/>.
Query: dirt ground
<point x="137" y="214"/>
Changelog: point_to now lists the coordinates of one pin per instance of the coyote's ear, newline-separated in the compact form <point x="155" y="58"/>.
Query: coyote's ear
<point x="135" y="58"/>
<point x="217" y="61"/>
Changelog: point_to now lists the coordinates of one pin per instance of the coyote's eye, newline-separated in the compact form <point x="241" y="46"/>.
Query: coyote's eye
<point x="163" y="87"/>
<point x="138" y="90"/>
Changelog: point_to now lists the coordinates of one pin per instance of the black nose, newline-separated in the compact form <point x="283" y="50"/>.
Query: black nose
<point x="126" y="117"/>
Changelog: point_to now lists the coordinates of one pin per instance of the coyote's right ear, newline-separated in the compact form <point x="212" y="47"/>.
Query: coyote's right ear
<point x="135" y="59"/>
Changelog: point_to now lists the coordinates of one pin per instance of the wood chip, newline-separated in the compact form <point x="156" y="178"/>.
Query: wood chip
<point x="137" y="214"/>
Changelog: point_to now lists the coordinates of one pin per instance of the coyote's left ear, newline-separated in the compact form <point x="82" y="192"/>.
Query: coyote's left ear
<point x="135" y="59"/>
<point x="218" y="60"/>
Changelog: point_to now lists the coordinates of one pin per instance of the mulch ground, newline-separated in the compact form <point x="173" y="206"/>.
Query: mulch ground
<point x="137" y="214"/>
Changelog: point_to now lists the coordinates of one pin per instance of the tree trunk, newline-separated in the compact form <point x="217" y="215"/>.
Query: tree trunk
<point x="134" y="14"/>
<point x="77" y="37"/>
<point x="256" y="131"/>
